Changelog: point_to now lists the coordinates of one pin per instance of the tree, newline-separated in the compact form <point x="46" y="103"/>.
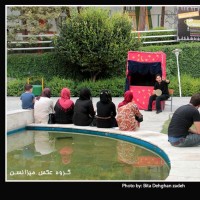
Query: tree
<point x="33" y="20"/>
<point x="142" y="19"/>
<point x="96" y="42"/>
<point x="162" y="21"/>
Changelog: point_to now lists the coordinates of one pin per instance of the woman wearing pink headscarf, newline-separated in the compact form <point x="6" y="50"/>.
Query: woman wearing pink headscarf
<point x="128" y="114"/>
<point x="64" y="108"/>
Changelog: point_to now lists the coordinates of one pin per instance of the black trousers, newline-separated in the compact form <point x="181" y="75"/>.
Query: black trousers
<point x="158" y="99"/>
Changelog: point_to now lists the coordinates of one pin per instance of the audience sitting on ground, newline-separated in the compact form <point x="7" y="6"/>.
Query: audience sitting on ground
<point x="128" y="116"/>
<point x="64" y="108"/>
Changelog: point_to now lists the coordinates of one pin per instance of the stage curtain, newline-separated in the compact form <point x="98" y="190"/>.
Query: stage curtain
<point x="144" y="68"/>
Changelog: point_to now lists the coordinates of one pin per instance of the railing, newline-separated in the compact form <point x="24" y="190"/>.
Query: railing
<point x="139" y="36"/>
<point x="19" y="37"/>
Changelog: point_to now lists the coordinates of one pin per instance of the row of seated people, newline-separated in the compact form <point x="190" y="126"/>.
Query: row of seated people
<point x="127" y="117"/>
<point x="82" y="113"/>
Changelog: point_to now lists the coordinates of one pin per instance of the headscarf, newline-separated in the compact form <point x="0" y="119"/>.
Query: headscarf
<point x="85" y="94"/>
<point x="128" y="96"/>
<point x="65" y="101"/>
<point x="105" y="96"/>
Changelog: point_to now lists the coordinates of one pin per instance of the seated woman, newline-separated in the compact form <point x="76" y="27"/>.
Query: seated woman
<point x="43" y="107"/>
<point x="128" y="116"/>
<point x="83" y="109"/>
<point x="106" y="111"/>
<point x="64" y="108"/>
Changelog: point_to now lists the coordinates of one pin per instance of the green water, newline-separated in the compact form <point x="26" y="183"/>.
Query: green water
<point x="42" y="155"/>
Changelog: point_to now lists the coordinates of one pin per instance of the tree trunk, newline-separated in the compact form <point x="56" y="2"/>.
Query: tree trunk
<point x="24" y="30"/>
<point x="124" y="9"/>
<point x="162" y="21"/>
<point x="94" y="76"/>
<point x="79" y="9"/>
<point x="68" y="12"/>
<point x="141" y="26"/>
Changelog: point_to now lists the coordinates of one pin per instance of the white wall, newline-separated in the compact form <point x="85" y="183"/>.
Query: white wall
<point x="170" y="17"/>
<point x="19" y="119"/>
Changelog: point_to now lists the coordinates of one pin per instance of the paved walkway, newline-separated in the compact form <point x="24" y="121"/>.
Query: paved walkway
<point x="185" y="162"/>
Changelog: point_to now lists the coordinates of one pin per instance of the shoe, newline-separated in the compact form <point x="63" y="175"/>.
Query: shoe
<point x="148" y="110"/>
<point x="158" y="111"/>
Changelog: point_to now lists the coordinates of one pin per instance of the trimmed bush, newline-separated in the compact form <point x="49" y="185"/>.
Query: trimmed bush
<point x="190" y="85"/>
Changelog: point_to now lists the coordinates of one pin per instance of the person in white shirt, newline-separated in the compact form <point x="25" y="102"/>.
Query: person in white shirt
<point x="43" y="106"/>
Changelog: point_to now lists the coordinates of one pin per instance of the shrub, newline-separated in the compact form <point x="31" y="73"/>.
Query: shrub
<point x="15" y="87"/>
<point x="96" y="43"/>
<point x="56" y="84"/>
<point x="189" y="85"/>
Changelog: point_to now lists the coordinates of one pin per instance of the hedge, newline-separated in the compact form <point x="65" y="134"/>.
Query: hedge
<point x="189" y="85"/>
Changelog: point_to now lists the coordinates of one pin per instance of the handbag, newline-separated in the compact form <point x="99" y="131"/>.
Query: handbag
<point x="52" y="119"/>
<point x="140" y="118"/>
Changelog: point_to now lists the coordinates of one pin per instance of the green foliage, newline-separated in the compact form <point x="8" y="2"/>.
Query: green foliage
<point x="189" y="85"/>
<point x="48" y="65"/>
<point x="95" y="42"/>
<point x="188" y="58"/>
<point x="28" y="18"/>
<point x="56" y="84"/>
<point x="159" y="38"/>
<point x="42" y="65"/>
<point x="115" y="85"/>
<point x="15" y="87"/>
<point x="165" y="126"/>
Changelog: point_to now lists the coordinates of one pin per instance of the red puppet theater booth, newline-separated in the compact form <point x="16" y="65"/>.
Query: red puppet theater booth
<point x="140" y="75"/>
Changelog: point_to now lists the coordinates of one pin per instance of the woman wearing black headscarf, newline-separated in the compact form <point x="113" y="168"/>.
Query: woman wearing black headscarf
<point x="83" y="109"/>
<point x="106" y="111"/>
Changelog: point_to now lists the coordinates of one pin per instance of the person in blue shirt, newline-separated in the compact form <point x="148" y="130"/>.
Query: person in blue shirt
<point x="28" y="98"/>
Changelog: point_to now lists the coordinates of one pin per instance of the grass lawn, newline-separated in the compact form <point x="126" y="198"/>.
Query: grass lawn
<point x="165" y="126"/>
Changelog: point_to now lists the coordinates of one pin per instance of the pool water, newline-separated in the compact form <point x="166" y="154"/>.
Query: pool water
<point x="50" y="155"/>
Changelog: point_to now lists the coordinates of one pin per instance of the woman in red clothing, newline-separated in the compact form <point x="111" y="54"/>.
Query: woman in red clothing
<point x="129" y="116"/>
